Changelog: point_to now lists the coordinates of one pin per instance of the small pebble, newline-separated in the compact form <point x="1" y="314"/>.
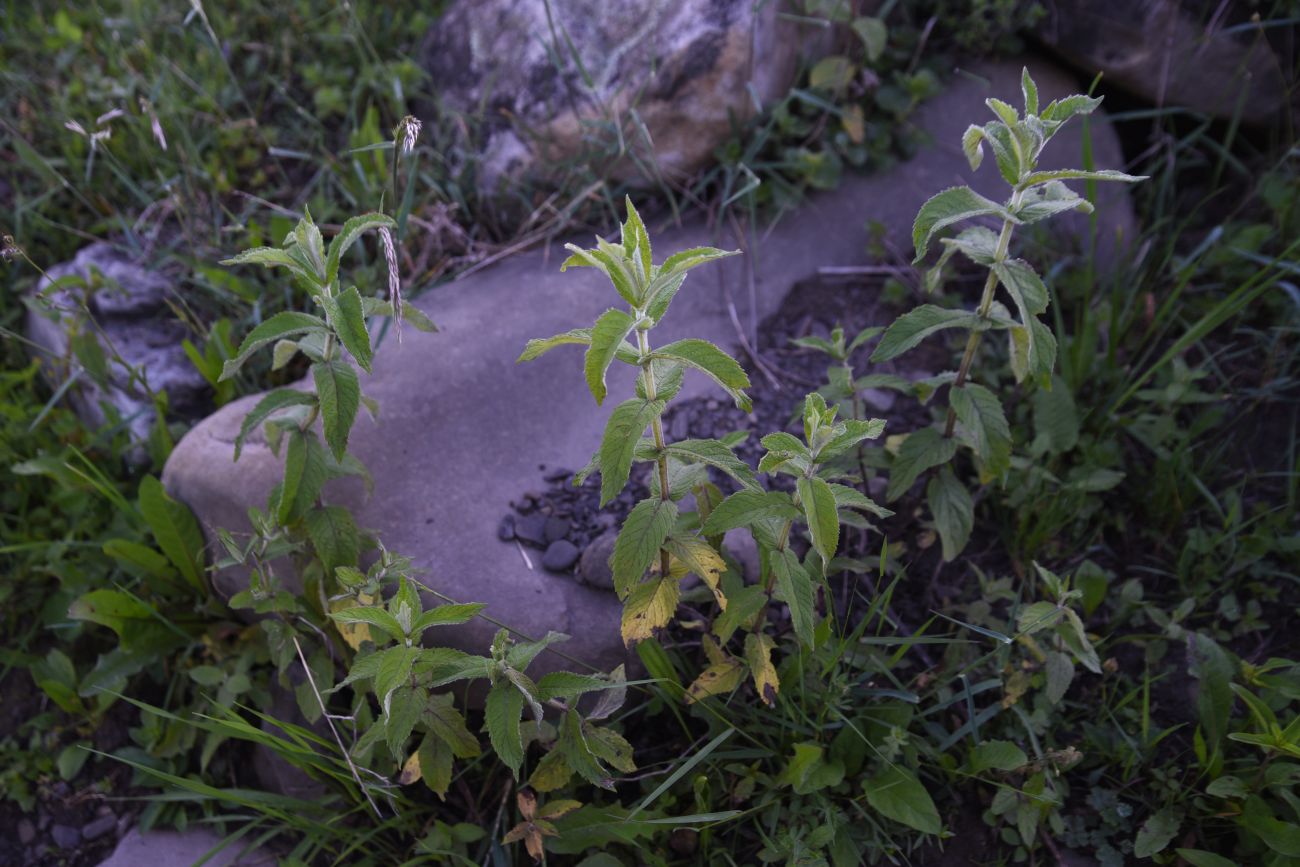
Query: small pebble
<point x="99" y="827"/>
<point x="560" y="556"/>
<point x="531" y="529"/>
<point x="506" y="529"/>
<point x="65" y="837"/>
<point x="556" y="528"/>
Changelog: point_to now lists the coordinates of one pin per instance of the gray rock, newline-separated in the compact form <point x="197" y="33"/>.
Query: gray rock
<point x="129" y="304"/>
<point x="560" y="555"/>
<point x="506" y="529"/>
<point x="26" y="833"/>
<point x="96" y="828"/>
<point x="556" y="528"/>
<point x="275" y="773"/>
<point x="593" y="567"/>
<point x="548" y="74"/>
<point x="531" y="528"/>
<point x="1170" y="52"/>
<point x="182" y="849"/>
<point x="65" y="837"/>
<point x="491" y="422"/>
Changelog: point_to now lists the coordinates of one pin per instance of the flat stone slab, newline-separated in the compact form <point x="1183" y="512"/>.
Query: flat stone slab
<point x="463" y="429"/>
<point x="181" y="849"/>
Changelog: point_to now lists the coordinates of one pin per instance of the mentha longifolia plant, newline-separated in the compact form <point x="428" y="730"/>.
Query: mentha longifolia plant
<point x="660" y="543"/>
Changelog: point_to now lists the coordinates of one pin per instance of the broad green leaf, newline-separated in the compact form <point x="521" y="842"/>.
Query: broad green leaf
<point x="446" y="615"/>
<point x="953" y="205"/>
<point x="371" y="616"/>
<point x="613" y="262"/>
<point x="715" y="454"/>
<point x="742" y="606"/>
<point x="1202" y="858"/>
<point x="113" y="609"/>
<point x="820" y="513"/>
<point x="622" y="433"/>
<point x="1038" y="616"/>
<point x="306" y="242"/>
<point x="908" y="330"/>
<point x="350" y="325"/>
<point x="339" y="394"/>
<point x="279" y="326"/>
<point x="334" y="536"/>
<point x="1080" y="175"/>
<point x="873" y="33"/>
<point x="854" y="432"/>
<point x="539" y="346"/>
<point x="852" y="498"/>
<point x="174" y="528"/>
<point x="712" y="361"/>
<point x="758" y="655"/>
<point x="922" y="450"/>
<point x="305" y="471"/>
<point x="1048" y="200"/>
<point x="997" y="755"/>
<point x="1024" y="286"/>
<point x="609" y="746"/>
<point x="268" y="406"/>
<point x="1062" y="110"/>
<point x="639" y="240"/>
<point x="404" y="709"/>
<point x="1033" y="358"/>
<point x="439" y="714"/>
<point x="352" y="231"/>
<point x="503" y="711"/>
<point x="270" y="257"/>
<point x="139" y="559"/>
<point x="392" y="670"/>
<point x="897" y="794"/>
<point x="1213" y="669"/>
<point x="522" y="654"/>
<point x="953" y="510"/>
<point x="797" y="590"/>
<point x="1157" y="832"/>
<point x="1060" y="674"/>
<point x="1056" y="419"/>
<point x="435" y="761"/>
<point x="607" y="336"/>
<point x="684" y="261"/>
<point x="1005" y="113"/>
<point x="648" y="608"/>
<point x="662" y="291"/>
<point x="578" y="755"/>
<point x="1029" y="91"/>
<point x="985" y="427"/>
<point x="743" y="508"/>
<point x="639" y="541"/>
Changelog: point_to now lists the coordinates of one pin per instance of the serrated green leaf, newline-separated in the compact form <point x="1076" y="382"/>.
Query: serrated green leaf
<point x="371" y="616"/>
<point x="578" y="755"/>
<point x="744" y="508"/>
<point x="391" y="669"/>
<point x="639" y="541"/>
<point x="268" y="406"/>
<point x="280" y="325"/>
<point x="1080" y="175"/>
<point x="539" y="346"/>
<point x="352" y="231"/>
<point x="607" y="336"/>
<point x="715" y="454"/>
<point x="446" y="615"/>
<point x="951" y="206"/>
<point x="339" y="394"/>
<point x="713" y="362"/>
<point x="897" y="794"/>
<point x="503" y="711"/>
<point x="797" y="590"/>
<point x="953" y="510"/>
<point x="1157" y="832"/>
<point x="435" y="760"/>
<point x="679" y="263"/>
<point x="984" y="427"/>
<point x="926" y="448"/>
<point x="852" y="498"/>
<point x="334" y="536"/>
<point x="441" y="717"/>
<point x="997" y="755"/>
<point x="821" y="515"/>
<point x="404" y="709"/>
<point x="174" y="529"/>
<point x="640" y="240"/>
<point x="908" y="330"/>
<point x="1048" y="200"/>
<point x="1029" y="91"/>
<point x="662" y="290"/>
<point x="618" y="445"/>
<point x="350" y="325"/>
<point x="305" y="471"/>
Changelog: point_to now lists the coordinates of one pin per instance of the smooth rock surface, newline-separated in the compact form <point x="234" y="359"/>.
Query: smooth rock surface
<point x="1170" y="52"/>
<point x="129" y="303"/>
<point x="181" y="849"/>
<point x="546" y="75"/>
<point x="463" y="429"/>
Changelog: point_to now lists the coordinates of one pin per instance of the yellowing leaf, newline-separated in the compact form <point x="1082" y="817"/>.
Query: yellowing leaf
<point x="758" y="653"/>
<point x="650" y="606"/>
<point x="699" y="558"/>
<point x="716" y="679"/>
<point x="354" y="633"/>
<point x="411" y="772"/>
<point x="855" y="124"/>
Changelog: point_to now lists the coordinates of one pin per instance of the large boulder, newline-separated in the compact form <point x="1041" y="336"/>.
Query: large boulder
<point x="127" y="305"/>
<point x="1171" y="53"/>
<point x="550" y="75"/>
<point x="463" y="430"/>
<point x="183" y="849"/>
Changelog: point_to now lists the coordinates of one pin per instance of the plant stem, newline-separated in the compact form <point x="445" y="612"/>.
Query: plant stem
<point x="657" y="429"/>
<point x="986" y="304"/>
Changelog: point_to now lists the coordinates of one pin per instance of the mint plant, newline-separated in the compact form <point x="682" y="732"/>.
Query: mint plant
<point x="659" y="545"/>
<point x="1036" y="195"/>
